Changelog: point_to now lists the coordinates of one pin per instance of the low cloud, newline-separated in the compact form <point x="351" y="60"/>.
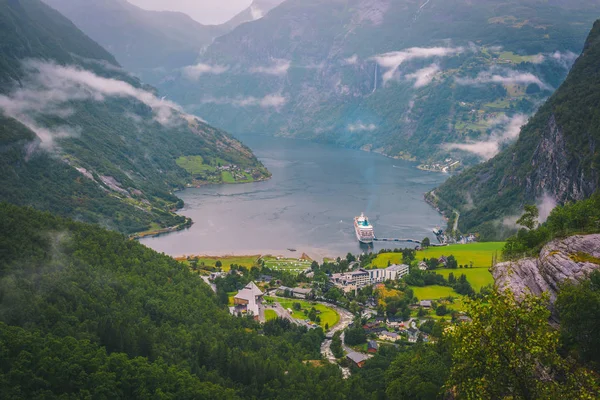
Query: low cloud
<point x="565" y="59"/>
<point x="504" y="77"/>
<point x="425" y="76"/>
<point x="507" y="130"/>
<point x="353" y="60"/>
<point x="194" y="72"/>
<point x="545" y="204"/>
<point x="269" y="101"/>
<point x="48" y="88"/>
<point x="361" y="127"/>
<point x="393" y="60"/>
<point x="279" y="67"/>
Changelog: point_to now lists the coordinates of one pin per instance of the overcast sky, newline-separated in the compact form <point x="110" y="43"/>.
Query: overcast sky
<point x="204" y="11"/>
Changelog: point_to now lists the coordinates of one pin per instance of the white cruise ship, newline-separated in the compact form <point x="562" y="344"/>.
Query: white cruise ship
<point x="364" y="230"/>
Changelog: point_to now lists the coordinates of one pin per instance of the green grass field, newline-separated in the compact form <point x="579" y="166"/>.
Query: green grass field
<point x="194" y="165"/>
<point x="227" y="177"/>
<point x="287" y="264"/>
<point x="328" y="315"/>
<point x="433" y="292"/>
<point x="477" y="277"/>
<point x="515" y="58"/>
<point x="270" y="314"/>
<point x="226" y="261"/>
<point x="479" y="253"/>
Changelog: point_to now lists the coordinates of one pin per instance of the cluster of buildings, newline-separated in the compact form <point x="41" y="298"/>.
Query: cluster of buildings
<point x="352" y="280"/>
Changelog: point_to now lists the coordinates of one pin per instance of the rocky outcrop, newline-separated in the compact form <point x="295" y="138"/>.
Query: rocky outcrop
<point x="573" y="258"/>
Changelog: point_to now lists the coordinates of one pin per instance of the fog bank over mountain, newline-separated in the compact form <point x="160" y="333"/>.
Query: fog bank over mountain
<point x="209" y="12"/>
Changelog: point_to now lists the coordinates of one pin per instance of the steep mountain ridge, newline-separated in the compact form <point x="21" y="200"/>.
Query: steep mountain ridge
<point x="83" y="138"/>
<point x="142" y="40"/>
<point x="554" y="158"/>
<point x="258" y="9"/>
<point x="410" y="79"/>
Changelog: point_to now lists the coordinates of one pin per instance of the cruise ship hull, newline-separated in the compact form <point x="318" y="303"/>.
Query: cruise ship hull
<point x="363" y="230"/>
<point x="363" y="240"/>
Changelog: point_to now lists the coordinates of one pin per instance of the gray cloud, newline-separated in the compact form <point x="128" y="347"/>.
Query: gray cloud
<point x="48" y="88"/>
<point x="565" y="59"/>
<point x="194" y="72"/>
<point x="424" y="76"/>
<point x="503" y="76"/>
<point x="393" y="60"/>
<point x="361" y="127"/>
<point x="279" y="67"/>
<point x="507" y="130"/>
<point x="269" y="101"/>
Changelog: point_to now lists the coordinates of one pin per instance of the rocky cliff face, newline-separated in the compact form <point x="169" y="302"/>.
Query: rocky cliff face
<point x="555" y="156"/>
<point x="554" y="170"/>
<point x="566" y="259"/>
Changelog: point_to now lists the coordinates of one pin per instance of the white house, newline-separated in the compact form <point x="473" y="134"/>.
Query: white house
<point x="248" y="300"/>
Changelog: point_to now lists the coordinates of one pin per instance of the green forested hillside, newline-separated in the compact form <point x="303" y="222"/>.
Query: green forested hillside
<point x="87" y="313"/>
<point x="555" y="157"/>
<point x="408" y="79"/>
<point x="81" y="137"/>
<point x="112" y="301"/>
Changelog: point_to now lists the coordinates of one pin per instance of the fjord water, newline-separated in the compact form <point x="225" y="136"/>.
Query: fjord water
<point x="308" y="205"/>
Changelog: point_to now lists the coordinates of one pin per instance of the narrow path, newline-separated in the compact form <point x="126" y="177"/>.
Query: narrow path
<point x="209" y="283"/>
<point x="345" y="319"/>
<point x="455" y="227"/>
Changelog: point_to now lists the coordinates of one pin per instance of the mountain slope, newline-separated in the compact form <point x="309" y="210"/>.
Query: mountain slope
<point x="556" y="156"/>
<point x="142" y="40"/>
<point x="256" y="10"/>
<point x="409" y="79"/>
<point x="80" y="137"/>
<point x="127" y="322"/>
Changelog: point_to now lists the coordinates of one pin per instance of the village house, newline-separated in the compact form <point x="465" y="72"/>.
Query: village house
<point x="248" y="301"/>
<point x="395" y="322"/>
<point x="413" y="335"/>
<point x="443" y="261"/>
<point x="425" y="303"/>
<point x="372" y="346"/>
<point x="357" y="358"/>
<point x="297" y="292"/>
<point x="423" y="266"/>
<point x="390" y="336"/>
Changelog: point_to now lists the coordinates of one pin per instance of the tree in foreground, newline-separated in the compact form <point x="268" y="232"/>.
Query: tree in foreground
<point x="509" y="351"/>
<point x="579" y="307"/>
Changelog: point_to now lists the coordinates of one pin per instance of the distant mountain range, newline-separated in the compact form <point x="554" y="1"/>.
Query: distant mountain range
<point x="414" y="79"/>
<point x="81" y="137"/>
<point x="256" y="10"/>
<point x="555" y="159"/>
<point x="150" y="43"/>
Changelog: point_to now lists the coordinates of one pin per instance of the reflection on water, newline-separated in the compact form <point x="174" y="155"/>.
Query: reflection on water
<point x="308" y="205"/>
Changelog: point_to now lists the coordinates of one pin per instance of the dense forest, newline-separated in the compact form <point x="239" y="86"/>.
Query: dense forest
<point x="85" y="312"/>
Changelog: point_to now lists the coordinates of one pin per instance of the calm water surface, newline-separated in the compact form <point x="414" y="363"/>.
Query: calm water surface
<point x="308" y="205"/>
